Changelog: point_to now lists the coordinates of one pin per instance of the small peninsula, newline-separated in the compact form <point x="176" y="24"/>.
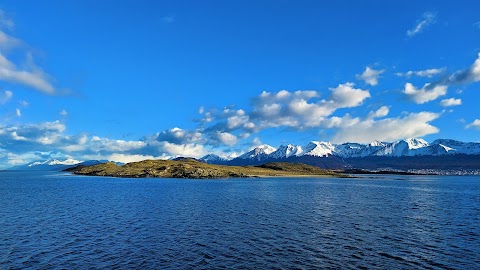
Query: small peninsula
<point x="190" y="168"/>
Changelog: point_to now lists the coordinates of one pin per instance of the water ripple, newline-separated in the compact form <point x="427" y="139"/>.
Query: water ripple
<point x="63" y="221"/>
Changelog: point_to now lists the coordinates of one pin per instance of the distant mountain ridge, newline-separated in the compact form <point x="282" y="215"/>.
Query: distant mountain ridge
<point x="407" y="147"/>
<point x="55" y="164"/>
<point x="330" y="155"/>
<point x="413" y="153"/>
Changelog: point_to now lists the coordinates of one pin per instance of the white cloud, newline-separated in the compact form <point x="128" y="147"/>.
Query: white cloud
<point x="426" y="94"/>
<point x="299" y="109"/>
<point x="179" y="136"/>
<point x="427" y="19"/>
<point x="18" y="112"/>
<point x="428" y="73"/>
<point x="370" y="76"/>
<point x="20" y="159"/>
<point x="474" y="124"/>
<point x="381" y="112"/>
<point x="63" y="113"/>
<point x="345" y="96"/>
<point x="23" y="103"/>
<point x="29" y="75"/>
<point x="5" y="96"/>
<point x="451" y="102"/>
<point x="111" y="145"/>
<point x="34" y="78"/>
<point x="125" y="158"/>
<point x="185" y="150"/>
<point x="226" y="138"/>
<point x="388" y="129"/>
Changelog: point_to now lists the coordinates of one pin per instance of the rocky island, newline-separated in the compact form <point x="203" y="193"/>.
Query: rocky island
<point x="190" y="168"/>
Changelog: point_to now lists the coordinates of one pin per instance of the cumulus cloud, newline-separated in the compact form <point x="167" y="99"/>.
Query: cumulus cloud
<point x="427" y="19"/>
<point x="302" y="109"/>
<point x="32" y="136"/>
<point x="451" y="102"/>
<point x="125" y="158"/>
<point x="63" y="113"/>
<point x="370" y="76"/>
<point x="381" y="112"/>
<point x="388" y="129"/>
<point x="22" y="140"/>
<point x="428" y="73"/>
<point x="226" y="138"/>
<point x="179" y="136"/>
<point x="110" y="145"/>
<point x="474" y="124"/>
<point x="427" y="93"/>
<point x="187" y="150"/>
<point x="5" y="96"/>
<point x="18" y="112"/>
<point x="346" y="96"/>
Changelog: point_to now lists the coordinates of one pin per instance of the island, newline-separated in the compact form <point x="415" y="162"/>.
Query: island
<point x="191" y="168"/>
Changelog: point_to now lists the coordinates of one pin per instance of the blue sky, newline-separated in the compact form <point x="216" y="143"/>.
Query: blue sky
<point x="128" y="80"/>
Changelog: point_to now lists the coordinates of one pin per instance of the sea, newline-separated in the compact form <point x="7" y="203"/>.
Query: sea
<point x="52" y="220"/>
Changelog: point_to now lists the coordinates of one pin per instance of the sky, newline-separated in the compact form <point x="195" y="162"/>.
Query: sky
<point x="132" y="80"/>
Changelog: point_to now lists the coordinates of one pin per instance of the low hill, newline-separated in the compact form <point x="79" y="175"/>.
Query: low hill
<point x="194" y="169"/>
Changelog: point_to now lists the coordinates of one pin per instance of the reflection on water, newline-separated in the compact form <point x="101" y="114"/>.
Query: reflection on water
<point x="65" y="221"/>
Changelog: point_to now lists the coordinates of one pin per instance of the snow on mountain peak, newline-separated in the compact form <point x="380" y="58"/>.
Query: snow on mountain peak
<point x="259" y="152"/>
<point x="265" y="148"/>
<point x="319" y="149"/>
<point x="286" y="151"/>
<point x="212" y="158"/>
<point x="69" y="161"/>
<point x="376" y="143"/>
<point x="415" y="143"/>
<point x="401" y="148"/>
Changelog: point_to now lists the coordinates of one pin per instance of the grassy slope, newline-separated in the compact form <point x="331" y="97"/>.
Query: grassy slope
<point x="195" y="169"/>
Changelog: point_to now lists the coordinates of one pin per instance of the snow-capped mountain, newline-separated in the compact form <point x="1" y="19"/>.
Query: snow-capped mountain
<point x="286" y="151"/>
<point x="452" y="146"/>
<point x="53" y="162"/>
<point x="213" y="159"/>
<point x="56" y="165"/>
<point x="407" y="147"/>
<point x="319" y="149"/>
<point x="402" y="148"/>
<point x="48" y="165"/>
<point x="258" y="153"/>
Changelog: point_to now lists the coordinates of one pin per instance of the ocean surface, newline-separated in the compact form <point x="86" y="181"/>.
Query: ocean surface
<point x="56" y="220"/>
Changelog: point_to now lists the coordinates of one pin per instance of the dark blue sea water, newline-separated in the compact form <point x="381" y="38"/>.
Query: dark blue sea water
<point x="53" y="220"/>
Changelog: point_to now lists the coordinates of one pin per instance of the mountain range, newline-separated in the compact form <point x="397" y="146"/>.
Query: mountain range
<point x="403" y="155"/>
<point x="55" y="165"/>
<point x="413" y="153"/>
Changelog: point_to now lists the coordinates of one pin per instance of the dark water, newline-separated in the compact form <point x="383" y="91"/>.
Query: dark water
<point x="64" y="221"/>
